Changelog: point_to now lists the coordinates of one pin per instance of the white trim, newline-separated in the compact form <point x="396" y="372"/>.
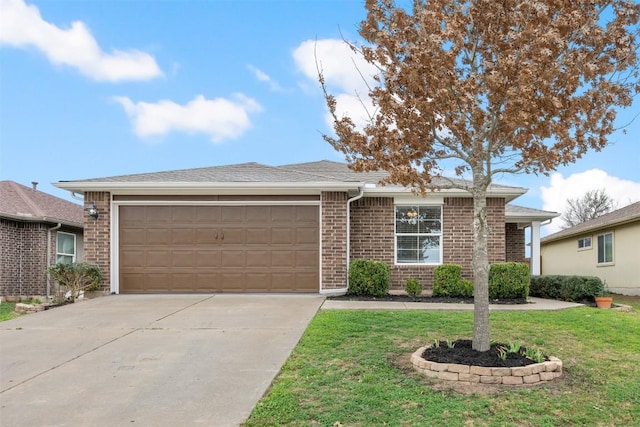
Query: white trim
<point x="418" y="200"/>
<point x="115" y="224"/>
<point x="535" y="248"/>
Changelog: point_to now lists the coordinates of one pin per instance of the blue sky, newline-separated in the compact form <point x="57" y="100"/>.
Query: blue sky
<point x="101" y="88"/>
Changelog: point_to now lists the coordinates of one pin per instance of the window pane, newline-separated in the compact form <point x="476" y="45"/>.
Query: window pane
<point x="64" y="259"/>
<point x="605" y="248"/>
<point x="430" y="249"/>
<point x="406" y="219"/>
<point x="408" y="249"/>
<point x="66" y="243"/>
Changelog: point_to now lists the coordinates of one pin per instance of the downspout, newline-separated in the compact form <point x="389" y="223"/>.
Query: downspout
<point x="57" y="227"/>
<point x="75" y="196"/>
<point x="349" y="201"/>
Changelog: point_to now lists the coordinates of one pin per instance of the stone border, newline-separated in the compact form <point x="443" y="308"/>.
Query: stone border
<point x="531" y="374"/>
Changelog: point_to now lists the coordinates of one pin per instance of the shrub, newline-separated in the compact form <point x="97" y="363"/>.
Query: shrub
<point x="567" y="288"/>
<point x="368" y="277"/>
<point x="447" y="282"/>
<point x="509" y="280"/>
<point x="76" y="277"/>
<point x="413" y="288"/>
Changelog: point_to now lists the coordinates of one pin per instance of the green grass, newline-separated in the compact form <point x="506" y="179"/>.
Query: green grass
<point x="6" y="311"/>
<point x="351" y="367"/>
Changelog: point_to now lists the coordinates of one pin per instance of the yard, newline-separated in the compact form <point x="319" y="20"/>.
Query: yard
<point x="351" y="368"/>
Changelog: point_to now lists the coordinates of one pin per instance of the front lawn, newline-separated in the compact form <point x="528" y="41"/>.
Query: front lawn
<point x="351" y="369"/>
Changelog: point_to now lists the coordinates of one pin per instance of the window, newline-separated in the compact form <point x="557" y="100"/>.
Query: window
<point x="605" y="248"/>
<point x="66" y="248"/>
<point x="418" y="234"/>
<point x="584" y="243"/>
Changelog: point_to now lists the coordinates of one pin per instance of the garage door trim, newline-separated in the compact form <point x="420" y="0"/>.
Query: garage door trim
<point x="115" y="224"/>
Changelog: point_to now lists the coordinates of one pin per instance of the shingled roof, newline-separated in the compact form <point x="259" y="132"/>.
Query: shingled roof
<point x="21" y="203"/>
<point x="630" y="213"/>
<point x="320" y="173"/>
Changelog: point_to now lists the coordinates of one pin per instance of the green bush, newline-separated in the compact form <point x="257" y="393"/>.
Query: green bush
<point x="567" y="288"/>
<point x="413" y="288"/>
<point x="508" y="280"/>
<point x="76" y="277"/>
<point x="368" y="277"/>
<point x="448" y="282"/>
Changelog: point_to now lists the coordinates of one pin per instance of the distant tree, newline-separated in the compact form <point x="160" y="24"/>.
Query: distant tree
<point x="496" y="87"/>
<point x="591" y="205"/>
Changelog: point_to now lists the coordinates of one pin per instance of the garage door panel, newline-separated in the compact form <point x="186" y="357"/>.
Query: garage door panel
<point x="158" y="236"/>
<point x="157" y="258"/>
<point x="306" y="236"/>
<point x="180" y="249"/>
<point x="282" y="236"/>
<point x="182" y="236"/>
<point x="258" y="236"/>
<point x="232" y="236"/>
<point x="258" y="259"/>
<point x="308" y="258"/>
<point x="158" y="214"/>
<point x="132" y="258"/>
<point x="232" y="259"/>
<point x="135" y="236"/>
<point x="207" y="235"/>
<point x="208" y="258"/>
<point x="232" y="214"/>
<point x="183" y="259"/>
<point x="257" y="214"/>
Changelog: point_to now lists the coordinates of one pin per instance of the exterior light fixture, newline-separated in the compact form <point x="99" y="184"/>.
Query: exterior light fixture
<point x="92" y="210"/>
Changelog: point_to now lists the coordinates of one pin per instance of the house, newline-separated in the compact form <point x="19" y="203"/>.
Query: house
<point x="293" y="228"/>
<point x="606" y="247"/>
<point x="37" y="230"/>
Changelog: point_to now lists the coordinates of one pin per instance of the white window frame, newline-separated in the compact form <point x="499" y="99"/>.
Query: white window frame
<point x="605" y="262"/>
<point x="402" y="203"/>
<point x="75" y="247"/>
<point x="584" y="247"/>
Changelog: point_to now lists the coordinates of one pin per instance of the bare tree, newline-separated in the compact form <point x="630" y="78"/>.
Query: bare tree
<point x="497" y="87"/>
<point x="591" y="205"/>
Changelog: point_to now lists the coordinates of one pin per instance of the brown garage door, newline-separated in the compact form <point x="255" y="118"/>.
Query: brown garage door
<point x="218" y="249"/>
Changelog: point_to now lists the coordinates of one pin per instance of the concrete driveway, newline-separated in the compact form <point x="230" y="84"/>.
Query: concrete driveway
<point x="162" y="360"/>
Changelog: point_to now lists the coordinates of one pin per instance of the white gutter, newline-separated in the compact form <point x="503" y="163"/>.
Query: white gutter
<point x="75" y="196"/>
<point x="57" y="227"/>
<point x="349" y="201"/>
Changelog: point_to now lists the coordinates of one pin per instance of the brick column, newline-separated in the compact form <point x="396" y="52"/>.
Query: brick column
<point x="97" y="235"/>
<point x="334" y="240"/>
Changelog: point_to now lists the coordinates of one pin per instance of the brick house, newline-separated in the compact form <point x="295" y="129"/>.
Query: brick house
<point x="36" y="231"/>
<point x="292" y="228"/>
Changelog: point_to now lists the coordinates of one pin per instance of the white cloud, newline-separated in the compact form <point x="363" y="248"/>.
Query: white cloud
<point x="23" y="26"/>
<point x="217" y="118"/>
<point x="554" y="197"/>
<point x="264" y="77"/>
<point x="347" y="75"/>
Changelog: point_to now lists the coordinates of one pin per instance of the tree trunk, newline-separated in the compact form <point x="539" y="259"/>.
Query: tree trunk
<point x="480" y="262"/>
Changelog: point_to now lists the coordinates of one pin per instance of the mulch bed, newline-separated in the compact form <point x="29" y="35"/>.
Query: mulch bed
<point x="463" y="354"/>
<point x="407" y="298"/>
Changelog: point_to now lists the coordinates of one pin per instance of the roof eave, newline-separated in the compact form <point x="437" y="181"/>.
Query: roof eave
<point x="49" y="220"/>
<point x="588" y="230"/>
<point x="197" y="187"/>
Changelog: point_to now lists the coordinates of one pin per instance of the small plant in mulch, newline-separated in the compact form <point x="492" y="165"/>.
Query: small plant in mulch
<point x="499" y="355"/>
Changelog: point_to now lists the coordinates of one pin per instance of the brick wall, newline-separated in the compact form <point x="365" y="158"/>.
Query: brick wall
<point x="23" y="258"/>
<point x="97" y="235"/>
<point x="372" y="236"/>
<point x="514" y="243"/>
<point x="334" y="240"/>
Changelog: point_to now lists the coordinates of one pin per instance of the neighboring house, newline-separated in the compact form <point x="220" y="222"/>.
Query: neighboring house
<point x="606" y="247"/>
<point x="36" y="230"/>
<point x="293" y="228"/>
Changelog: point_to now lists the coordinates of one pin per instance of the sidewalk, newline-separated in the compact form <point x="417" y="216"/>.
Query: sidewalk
<point x="535" y="304"/>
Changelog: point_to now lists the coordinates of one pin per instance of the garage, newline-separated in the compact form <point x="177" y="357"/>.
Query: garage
<point x="218" y="248"/>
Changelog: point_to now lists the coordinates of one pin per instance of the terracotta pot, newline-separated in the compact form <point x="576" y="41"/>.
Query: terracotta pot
<point x="604" y="302"/>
